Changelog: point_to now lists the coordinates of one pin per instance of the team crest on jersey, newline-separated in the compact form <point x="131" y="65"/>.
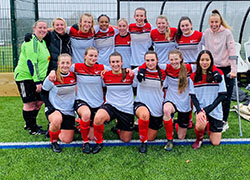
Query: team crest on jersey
<point x="97" y="72"/>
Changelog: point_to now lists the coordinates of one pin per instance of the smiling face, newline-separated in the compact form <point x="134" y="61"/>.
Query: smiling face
<point x="86" y="23"/>
<point x="186" y="27"/>
<point x="205" y="62"/>
<point x="40" y="30"/>
<point x="103" y="23"/>
<point x="214" y="23"/>
<point x="59" y="26"/>
<point x="64" y="63"/>
<point x="162" y="25"/>
<point x="151" y="61"/>
<point x="140" y="17"/>
<point x="91" y="57"/>
<point x="175" y="60"/>
<point x="122" y="28"/>
<point x="116" y="64"/>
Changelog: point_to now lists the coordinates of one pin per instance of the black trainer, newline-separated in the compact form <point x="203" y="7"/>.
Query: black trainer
<point x="143" y="148"/>
<point x="37" y="131"/>
<point x="86" y="148"/>
<point x="56" y="147"/>
<point x="97" y="148"/>
<point x="28" y="128"/>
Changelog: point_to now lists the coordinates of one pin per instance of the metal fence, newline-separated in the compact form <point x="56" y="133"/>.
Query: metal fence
<point x="17" y="17"/>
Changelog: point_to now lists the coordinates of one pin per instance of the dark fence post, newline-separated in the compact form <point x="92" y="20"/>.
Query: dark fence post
<point x="203" y="15"/>
<point x="162" y="7"/>
<point x="36" y="10"/>
<point x="13" y="32"/>
<point x="243" y="25"/>
<point x="118" y="10"/>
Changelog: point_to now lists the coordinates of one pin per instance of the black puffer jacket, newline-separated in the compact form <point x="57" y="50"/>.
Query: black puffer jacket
<point x="57" y="44"/>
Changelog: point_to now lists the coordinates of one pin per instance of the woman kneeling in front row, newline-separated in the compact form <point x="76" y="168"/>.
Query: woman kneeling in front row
<point x="59" y="97"/>
<point x="207" y="92"/>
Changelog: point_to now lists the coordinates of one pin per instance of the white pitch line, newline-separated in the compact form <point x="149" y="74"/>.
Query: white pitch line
<point x="21" y="145"/>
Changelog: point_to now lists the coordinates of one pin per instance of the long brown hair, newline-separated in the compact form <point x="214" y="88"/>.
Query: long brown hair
<point x="124" y="73"/>
<point x="145" y="11"/>
<point x="157" y="66"/>
<point x="58" y="71"/>
<point x="179" y="32"/>
<point x="167" y="33"/>
<point x="209" y="73"/>
<point x="183" y="81"/>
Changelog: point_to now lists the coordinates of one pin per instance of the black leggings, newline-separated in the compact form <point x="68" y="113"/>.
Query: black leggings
<point x="229" y="85"/>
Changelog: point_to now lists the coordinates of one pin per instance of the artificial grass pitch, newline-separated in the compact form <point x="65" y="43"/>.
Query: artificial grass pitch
<point x="123" y="162"/>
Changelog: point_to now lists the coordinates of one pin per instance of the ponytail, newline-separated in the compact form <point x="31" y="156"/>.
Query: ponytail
<point x="183" y="82"/>
<point x="215" y="12"/>
<point x="160" y="74"/>
<point x="59" y="77"/>
<point x="167" y="33"/>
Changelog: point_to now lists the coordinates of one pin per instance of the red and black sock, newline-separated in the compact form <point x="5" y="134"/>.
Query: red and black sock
<point x="54" y="136"/>
<point x="199" y="134"/>
<point x="169" y="129"/>
<point x="84" y="129"/>
<point x="98" y="133"/>
<point x="143" y="130"/>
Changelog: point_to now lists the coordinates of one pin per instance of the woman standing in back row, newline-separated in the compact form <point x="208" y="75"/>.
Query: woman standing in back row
<point x="219" y="40"/>
<point x="163" y="39"/>
<point x="30" y="73"/>
<point x="140" y="37"/>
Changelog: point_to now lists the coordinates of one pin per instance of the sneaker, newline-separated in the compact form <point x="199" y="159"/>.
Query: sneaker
<point x="169" y="146"/>
<point x="97" y="148"/>
<point x="37" y="131"/>
<point x="86" y="148"/>
<point x="56" y="147"/>
<point x="28" y="128"/>
<point x="225" y="127"/>
<point x="190" y="124"/>
<point x="197" y="144"/>
<point x="143" y="147"/>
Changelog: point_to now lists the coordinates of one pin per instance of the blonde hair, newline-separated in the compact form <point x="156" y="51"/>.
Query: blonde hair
<point x="183" y="81"/>
<point x="122" y="19"/>
<point x="215" y="12"/>
<point x="58" y="71"/>
<point x="167" y="33"/>
<point x="38" y="21"/>
<point x="61" y="19"/>
<point x="92" y="20"/>
<point x="88" y="49"/>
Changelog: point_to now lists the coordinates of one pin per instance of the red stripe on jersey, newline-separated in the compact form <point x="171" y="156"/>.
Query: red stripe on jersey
<point x="175" y="72"/>
<point x="204" y="77"/>
<point x="155" y="75"/>
<point x="70" y="79"/>
<point x="110" y="78"/>
<point x="122" y="40"/>
<point x="134" y="28"/>
<point x="79" y="34"/>
<point x="82" y="68"/>
<point x="109" y="33"/>
<point x="193" y="39"/>
<point x="156" y="36"/>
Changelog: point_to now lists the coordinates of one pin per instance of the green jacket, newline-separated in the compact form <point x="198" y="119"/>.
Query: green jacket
<point x="33" y="61"/>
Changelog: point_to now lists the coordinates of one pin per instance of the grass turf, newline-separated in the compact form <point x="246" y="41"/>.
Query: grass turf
<point x="222" y="162"/>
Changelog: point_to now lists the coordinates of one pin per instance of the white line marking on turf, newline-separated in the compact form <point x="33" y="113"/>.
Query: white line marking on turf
<point x="43" y="144"/>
